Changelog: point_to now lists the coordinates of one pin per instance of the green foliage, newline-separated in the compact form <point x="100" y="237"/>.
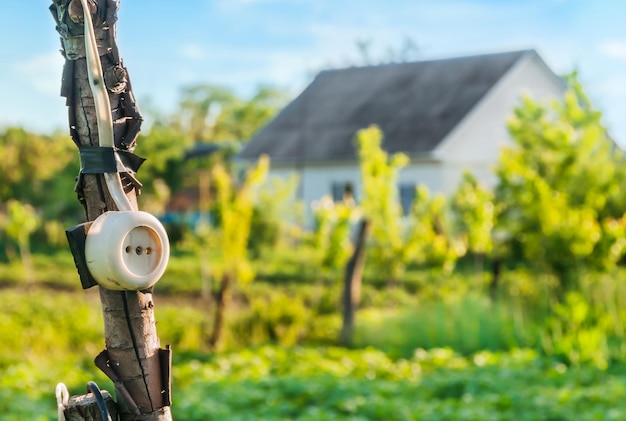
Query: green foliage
<point x="54" y="269"/>
<point x="54" y="340"/>
<point x="36" y="326"/>
<point x="201" y="109"/>
<point x="427" y="235"/>
<point x="432" y="240"/>
<point x="214" y="113"/>
<point x="183" y="324"/>
<point x="468" y="325"/>
<point x="577" y="333"/>
<point x="264" y="230"/>
<point x="227" y="237"/>
<point x="19" y="223"/>
<point x="235" y="205"/>
<point x="557" y="219"/>
<point x="273" y="383"/>
<point x="41" y="171"/>
<point x="587" y="326"/>
<point x="331" y="236"/>
<point x="162" y="171"/>
<point x="474" y="215"/>
<point x="289" y="263"/>
<point x="274" y="216"/>
<point x="246" y="117"/>
<point x="30" y="162"/>
<point x="206" y="114"/>
<point x="277" y="318"/>
<point x="379" y="174"/>
<point x="331" y="383"/>
<point x="559" y="188"/>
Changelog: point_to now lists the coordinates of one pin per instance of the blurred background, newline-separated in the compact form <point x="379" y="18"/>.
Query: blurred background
<point x="484" y="271"/>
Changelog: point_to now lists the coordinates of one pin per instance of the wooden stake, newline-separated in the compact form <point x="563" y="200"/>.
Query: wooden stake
<point x="84" y="407"/>
<point x="132" y="344"/>
<point x="352" y="285"/>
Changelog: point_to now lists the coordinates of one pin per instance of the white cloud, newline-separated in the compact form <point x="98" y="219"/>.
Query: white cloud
<point x="614" y="49"/>
<point x="42" y="72"/>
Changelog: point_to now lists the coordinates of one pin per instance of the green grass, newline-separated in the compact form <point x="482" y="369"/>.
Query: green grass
<point x="467" y="325"/>
<point x="332" y="383"/>
<point x="437" y="349"/>
<point x="304" y="383"/>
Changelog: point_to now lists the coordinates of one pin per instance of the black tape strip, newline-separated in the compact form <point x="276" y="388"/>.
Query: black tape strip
<point x="130" y="160"/>
<point x="100" y="160"/>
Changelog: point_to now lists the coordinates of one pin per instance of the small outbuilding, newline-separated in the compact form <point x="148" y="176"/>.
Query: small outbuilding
<point x="447" y="115"/>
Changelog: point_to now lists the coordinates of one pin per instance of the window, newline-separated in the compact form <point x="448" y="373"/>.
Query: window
<point x="407" y="197"/>
<point x="342" y="191"/>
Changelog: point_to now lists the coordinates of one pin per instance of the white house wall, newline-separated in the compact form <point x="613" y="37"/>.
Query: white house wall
<point x="475" y="144"/>
<point x="429" y="174"/>
<point x="316" y="181"/>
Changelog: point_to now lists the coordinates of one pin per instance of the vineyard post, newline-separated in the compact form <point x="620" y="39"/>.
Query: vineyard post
<point x="353" y="279"/>
<point x="133" y="358"/>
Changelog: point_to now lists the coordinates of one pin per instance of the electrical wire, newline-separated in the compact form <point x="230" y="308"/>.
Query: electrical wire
<point x="63" y="400"/>
<point x="103" y="109"/>
<point x="104" y="411"/>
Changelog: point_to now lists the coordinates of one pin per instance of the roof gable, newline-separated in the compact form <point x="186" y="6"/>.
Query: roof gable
<point x="415" y="104"/>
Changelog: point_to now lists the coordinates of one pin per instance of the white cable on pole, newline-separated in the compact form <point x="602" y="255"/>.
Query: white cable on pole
<point x="63" y="400"/>
<point x="103" y="109"/>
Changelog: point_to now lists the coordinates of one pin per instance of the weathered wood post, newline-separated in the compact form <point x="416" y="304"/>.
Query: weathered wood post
<point x="133" y="359"/>
<point x="352" y="284"/>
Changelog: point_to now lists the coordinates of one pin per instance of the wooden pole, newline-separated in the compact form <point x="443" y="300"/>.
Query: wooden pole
<point x="352" y="284"/>
<point x="85" y="407"/>
<point x="133" y="358"/>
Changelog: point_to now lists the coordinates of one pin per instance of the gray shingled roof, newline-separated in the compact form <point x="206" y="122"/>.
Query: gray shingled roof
<point x="415" y="104"/>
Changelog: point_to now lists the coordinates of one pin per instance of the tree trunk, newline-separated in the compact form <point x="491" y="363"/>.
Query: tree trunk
<point x="204" y="202"/>
<point x="352" y="285"/>
<point x="495" y="280"/>
<point x="223" y="298"/>
<point x="132" y="345"/>
<point x="27" y="262"/>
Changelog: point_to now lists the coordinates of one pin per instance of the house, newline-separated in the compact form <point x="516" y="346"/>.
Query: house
<point x="447" y="115"/>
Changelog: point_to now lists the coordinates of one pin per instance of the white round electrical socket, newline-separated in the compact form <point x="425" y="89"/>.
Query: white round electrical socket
<point x="127" y="250"/>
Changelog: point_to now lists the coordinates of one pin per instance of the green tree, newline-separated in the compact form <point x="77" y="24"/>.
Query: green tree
<point x="331" y="237"/>
<point x="424" y="236"/>
<point x="276" y="216"/>
<point x="473" y="214"/>
<point x="247" y="116"/>
<point x="162" y="173"/>
<point x="202" y="110"/>
<point x="216" y="114"/>
<point x="473" y="209"/>
<point x="19" y="223"/>
<point x="380" y="204"/>
<point x="206" y="114"/>
<point x="432" y="239"/>
<point x="39" y="170"/>
<point x="559" y="192"/>
<point x="226" y="239"/>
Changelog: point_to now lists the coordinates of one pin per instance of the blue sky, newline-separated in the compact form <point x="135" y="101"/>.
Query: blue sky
<point x="242" y="44"/>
